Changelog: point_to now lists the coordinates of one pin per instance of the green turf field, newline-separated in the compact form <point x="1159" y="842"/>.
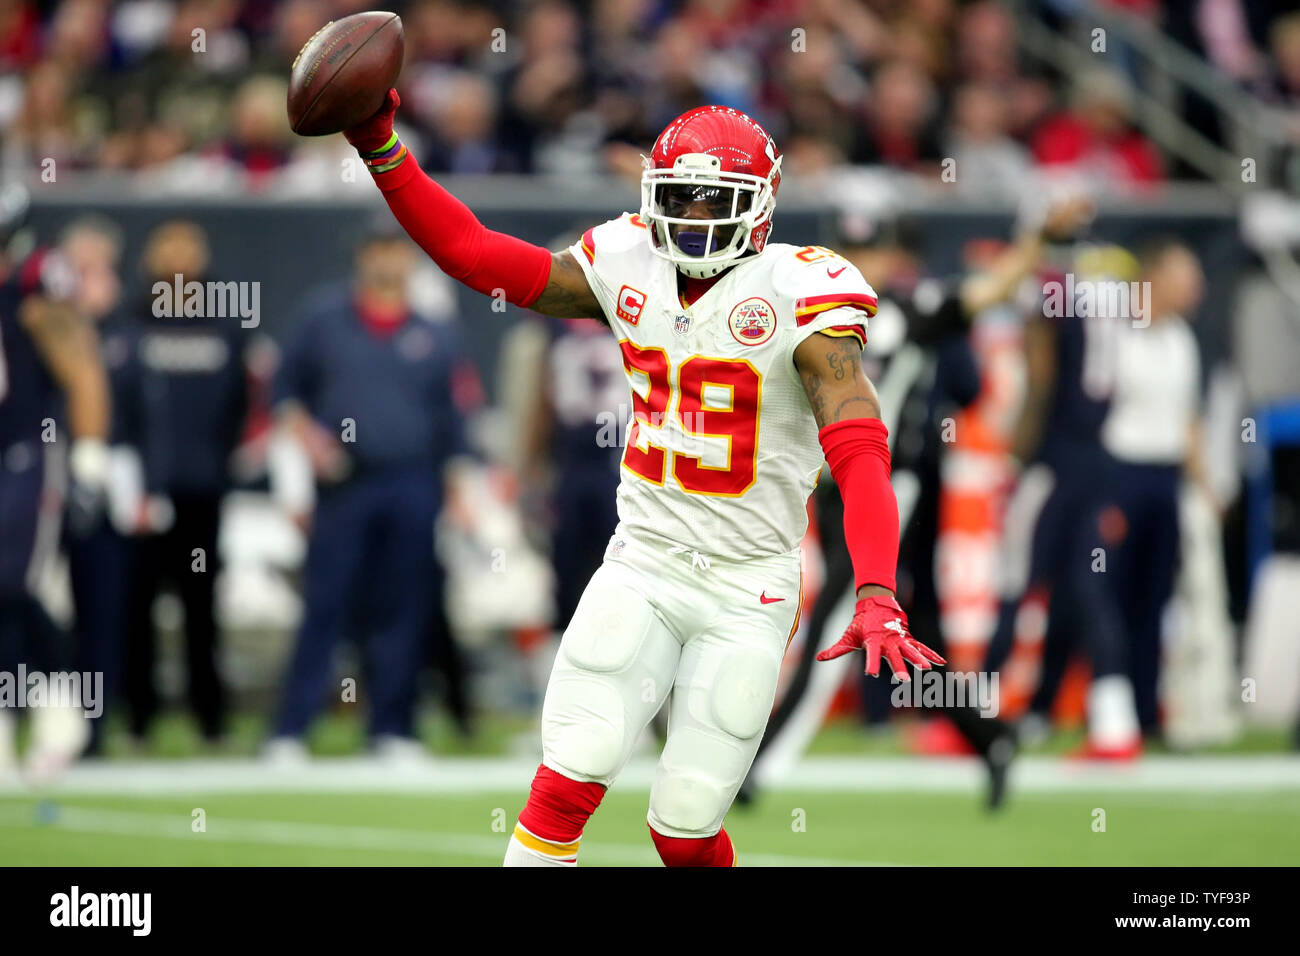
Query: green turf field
<point x="138" y="808"/>
<point x="876" y="828"/>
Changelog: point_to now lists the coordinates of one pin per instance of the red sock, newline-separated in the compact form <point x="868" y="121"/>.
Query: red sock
<point x="558" y="808"/>
<point x="709" y="851"/>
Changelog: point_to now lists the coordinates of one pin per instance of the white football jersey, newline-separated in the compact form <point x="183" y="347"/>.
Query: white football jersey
<point x="721" y="451"/>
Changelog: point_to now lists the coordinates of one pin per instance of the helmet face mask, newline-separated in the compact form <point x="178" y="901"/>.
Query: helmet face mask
<point x="720" y="201"/>
<point x="679" y="205"/>
<point x="704" y="213"/>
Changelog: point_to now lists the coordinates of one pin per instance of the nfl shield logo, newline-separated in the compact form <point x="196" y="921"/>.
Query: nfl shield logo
<point x="682" y="323"/>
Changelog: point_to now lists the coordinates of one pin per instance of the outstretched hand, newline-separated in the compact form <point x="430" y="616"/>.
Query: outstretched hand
<point x="879" y="627"/>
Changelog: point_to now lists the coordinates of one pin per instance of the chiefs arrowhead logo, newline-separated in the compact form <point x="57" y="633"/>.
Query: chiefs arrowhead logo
<point x="752" y="322"/>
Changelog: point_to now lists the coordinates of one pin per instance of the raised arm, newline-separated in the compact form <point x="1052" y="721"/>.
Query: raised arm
<point x="1041" y="372"/>
<point x="998" y="281"/>
<point x="567" y="294"/>
<point x="489" y="262"/>
<point x="69" y="347"/>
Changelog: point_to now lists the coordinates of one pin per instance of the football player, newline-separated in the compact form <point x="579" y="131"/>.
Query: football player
<point x="744" y="359"/>
<point x="1064" y="515"/>
<point x="49" y="365"/>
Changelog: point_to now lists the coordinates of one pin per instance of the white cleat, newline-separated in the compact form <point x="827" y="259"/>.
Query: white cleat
<point x="1032" y="730"/>
<point x="8" y="747"/>
<point x="400" y="751"/>
<point x="59" y="735"/>
<point x="285" y="752"/>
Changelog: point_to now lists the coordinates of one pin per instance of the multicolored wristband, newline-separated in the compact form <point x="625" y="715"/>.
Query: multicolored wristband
<point x="387" y="158"/>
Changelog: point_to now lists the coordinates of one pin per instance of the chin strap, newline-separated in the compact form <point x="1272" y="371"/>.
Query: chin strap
<point x="703" y="272"/>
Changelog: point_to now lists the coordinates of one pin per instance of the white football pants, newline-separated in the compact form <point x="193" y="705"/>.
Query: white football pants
<point x="657" y="620"/>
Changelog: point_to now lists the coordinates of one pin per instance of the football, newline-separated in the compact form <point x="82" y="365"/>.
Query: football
<point x="341" y="75"/>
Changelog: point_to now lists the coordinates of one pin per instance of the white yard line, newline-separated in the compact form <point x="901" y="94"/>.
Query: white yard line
<point x="452" y="775"/>
<point x="340" y="837"/>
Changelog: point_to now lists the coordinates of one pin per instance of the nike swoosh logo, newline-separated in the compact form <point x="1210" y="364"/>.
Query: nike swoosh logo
<point x="767" y="600"/>
<point x="836" y="273"/>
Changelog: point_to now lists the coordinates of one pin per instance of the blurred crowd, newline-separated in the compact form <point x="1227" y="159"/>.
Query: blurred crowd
<point x="192" y="92"/>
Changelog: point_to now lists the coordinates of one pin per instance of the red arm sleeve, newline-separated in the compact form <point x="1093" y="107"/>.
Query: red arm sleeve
<point x="444" y="227"/>
<point x="858" y="453"/>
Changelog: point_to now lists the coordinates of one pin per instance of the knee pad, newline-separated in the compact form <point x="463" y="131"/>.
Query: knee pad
<point x="584" y="719"/>
<point x="716" y="850"/>
<point x="583" y="726"/>
<point x="686" y="803"/>
<point x="743" y="692"/>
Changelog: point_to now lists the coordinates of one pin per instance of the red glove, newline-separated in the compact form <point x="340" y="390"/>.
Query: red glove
<point x="374" y="134"/>
<point x="880" y="626"/>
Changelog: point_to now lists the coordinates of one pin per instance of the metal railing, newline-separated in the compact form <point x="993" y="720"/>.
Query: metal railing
<point x="1164" y="73"/>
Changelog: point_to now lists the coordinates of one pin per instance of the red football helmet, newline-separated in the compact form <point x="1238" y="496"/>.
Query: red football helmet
<point x="712" y="159"/>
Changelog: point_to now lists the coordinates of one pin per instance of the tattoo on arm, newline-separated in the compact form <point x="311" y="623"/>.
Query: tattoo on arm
<point x="844" y="363"/>
<point x="830" y="368"/>
<point x="567" y="294"/>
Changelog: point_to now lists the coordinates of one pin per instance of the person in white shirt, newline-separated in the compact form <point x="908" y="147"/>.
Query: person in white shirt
<point x="1152" y="432"/>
